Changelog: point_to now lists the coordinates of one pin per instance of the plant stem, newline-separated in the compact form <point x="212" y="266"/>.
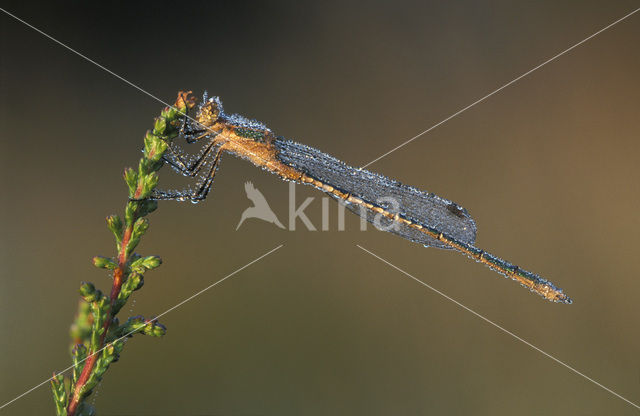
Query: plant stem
<point x="96" y="333"/>
<point x="115" y="291"/>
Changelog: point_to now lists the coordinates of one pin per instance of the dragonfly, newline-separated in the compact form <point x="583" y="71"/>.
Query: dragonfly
<point x="413" y="214"/>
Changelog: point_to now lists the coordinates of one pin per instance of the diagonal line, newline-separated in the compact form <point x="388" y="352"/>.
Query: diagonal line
<point x="499" y="327"/>
<point x="86" y="58"/>
<point x="148" y="322"/>
<point x="115" y="75"/>
<point x="501" y="88"/>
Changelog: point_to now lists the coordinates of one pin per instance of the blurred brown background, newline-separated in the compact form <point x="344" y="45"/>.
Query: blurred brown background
<point x="548" y="168"/>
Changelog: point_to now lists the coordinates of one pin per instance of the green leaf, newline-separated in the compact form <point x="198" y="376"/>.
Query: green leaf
<point x="154" y="148"/>
<point x="104" y="263"/>
<point x="131" y="178"/>
<point x="145" y="263"/>
<point x="114" y="223"/>
<point x="149" y="143"/>
<point x="160" y="125"/>
<point x="133" y="325"/>
<point x="170" y="113"/>
<point x="109" y="354"/>
<point x="139" y="227"/>
<point x="139" y="325"/>
<point x="131" y="211"/>
<point x="59" y="394"/>
<point x="150" y="182"/>
<point x="88" y="292"/>
<point x="134" y="282"/>
<point x="143" y="170"/>
<point x="155" y="329"/>
<point x="78" y="355"/>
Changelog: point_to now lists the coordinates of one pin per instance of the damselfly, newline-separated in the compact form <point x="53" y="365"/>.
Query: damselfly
<point x="413" y="214"/>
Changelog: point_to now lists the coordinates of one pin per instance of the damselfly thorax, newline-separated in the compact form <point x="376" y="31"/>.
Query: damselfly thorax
<point x="413" y="214"/>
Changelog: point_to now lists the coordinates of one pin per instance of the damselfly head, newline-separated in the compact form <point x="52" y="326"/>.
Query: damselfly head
<point x="209" y="112"/>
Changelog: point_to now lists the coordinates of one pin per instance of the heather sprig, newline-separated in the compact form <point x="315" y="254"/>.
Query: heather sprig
<point x="97" y="336"/>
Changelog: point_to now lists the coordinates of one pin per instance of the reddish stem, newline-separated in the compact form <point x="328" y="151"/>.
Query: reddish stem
<point x="118" y="279"/>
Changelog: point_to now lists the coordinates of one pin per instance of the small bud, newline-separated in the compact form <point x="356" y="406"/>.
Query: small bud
<point x="78" y="355"/>
<point x="154" y="156"/>
<point x="184" y="101"/>
<point x="159" y="147"/>
<point x="79" y="350"/>
<point x="143" y="264"/>
<point x="151" y="262"/>
<point x="149" y="142"/>
<point x="144" y="168"/>
<point x="139" y="228"/>
<point x="104" y="263"/>
<point x="88" y="291"/>
<point x="118" y="346"/>
<point x="160" y="125"/>
<point x="138" y="282"/>
<point x="131" y="178"/>
<point x="133" y="325"/>
<point x="150" y="182"/>
<point x="59" y="394"/>
<point x="155" y="329"/>
<point x="172" y="112"/>
<point x="108" y="350"/>
<point x="114" y="223"/>
<point x="103" y="305"/>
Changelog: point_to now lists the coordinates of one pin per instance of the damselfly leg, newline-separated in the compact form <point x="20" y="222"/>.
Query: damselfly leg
<point x="192" y="132"/>
<point x="210" y="157"/>
<point x="189" y="166"/>
<point x="193" y="166"/>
